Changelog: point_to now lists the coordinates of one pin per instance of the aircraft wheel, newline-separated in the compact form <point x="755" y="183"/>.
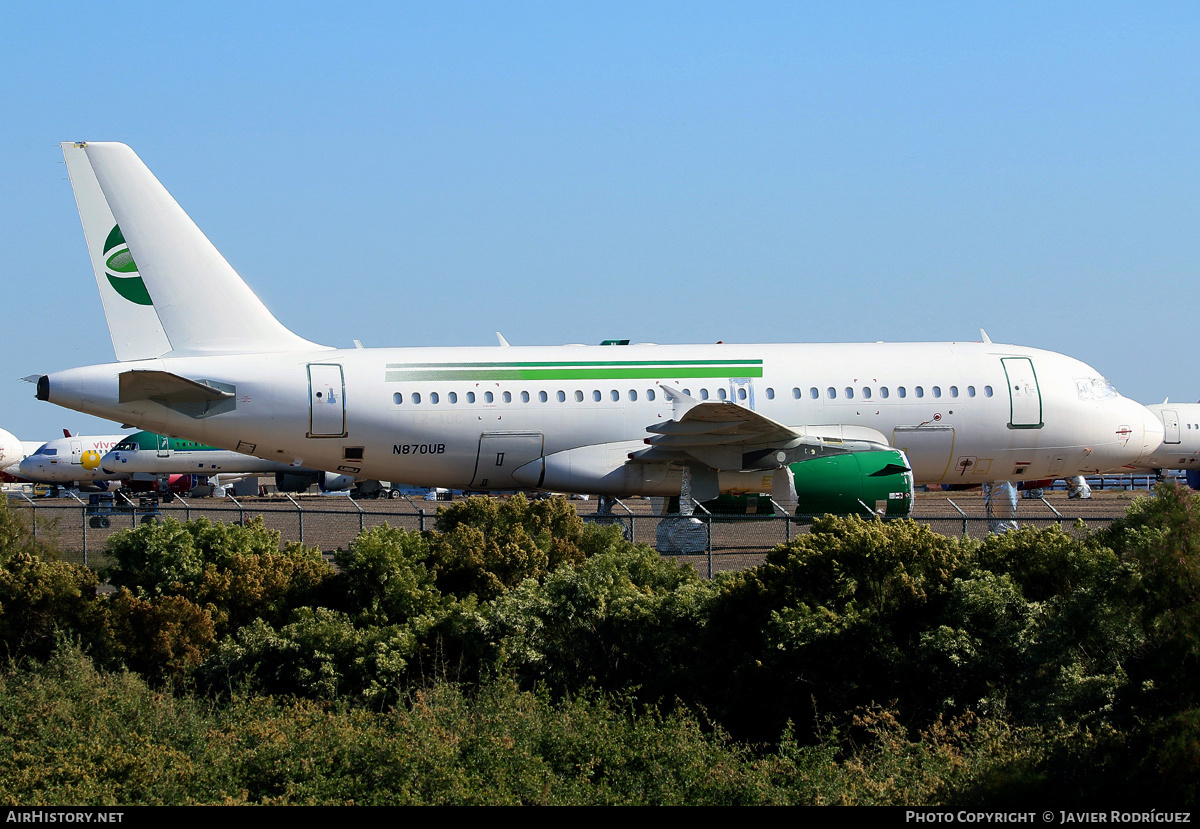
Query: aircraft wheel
<point x="104" y="522"/>
<point x="147" y="519"/>
<point x="394" y="493"/>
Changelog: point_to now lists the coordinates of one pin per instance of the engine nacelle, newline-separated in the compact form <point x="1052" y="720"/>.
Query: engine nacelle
<point x="878" y="482"/>
<point x="294" y="481"/>
<point x="334" y="483"/>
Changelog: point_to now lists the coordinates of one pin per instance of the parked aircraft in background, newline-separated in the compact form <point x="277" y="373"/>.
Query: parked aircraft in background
<point x="148" y="455"/>
<point x="805" y="421"/>
<point x="71" y="461"/>
<point x="12" y="452"/>
<point x="1180" y="447"/>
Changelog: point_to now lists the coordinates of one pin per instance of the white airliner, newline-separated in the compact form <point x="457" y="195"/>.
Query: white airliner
<point x="202" y="358"/>
<point x="12" y="452"/>
<point x="1180" y="447"/>
<point x="71" y="460"/>
<point x="148" y="455"/>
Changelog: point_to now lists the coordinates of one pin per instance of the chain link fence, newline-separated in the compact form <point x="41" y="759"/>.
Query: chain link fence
<point x="79" y="528"/>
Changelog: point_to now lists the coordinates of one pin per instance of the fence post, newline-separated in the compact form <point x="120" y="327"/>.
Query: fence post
<point x="420" y="519"/>
<point x="787" y="521"/>
<point x="32" y="521"/>
<point x="360" y="513"/>
<point x="960" y="512"/>
<point x="632" y="521"/>
<point x="1053" y="510"/>
<point x="82" y="524"/>
<point x="187" y="508"/>
<point x="708" y="519"/>
<point x="132" y="510"/>
<point x="299" y="513"/>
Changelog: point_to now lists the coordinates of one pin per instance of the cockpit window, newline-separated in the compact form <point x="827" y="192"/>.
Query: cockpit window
<point x="45" y="450"/>
<point x="1095" y="388"/>
<point x="125" y="446"/>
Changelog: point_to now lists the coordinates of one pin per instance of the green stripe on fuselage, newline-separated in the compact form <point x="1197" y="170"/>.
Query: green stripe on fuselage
<point x="582" y="370"/>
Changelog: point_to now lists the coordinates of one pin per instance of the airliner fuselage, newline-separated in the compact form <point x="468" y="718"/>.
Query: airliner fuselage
<point x="569" y="418"/>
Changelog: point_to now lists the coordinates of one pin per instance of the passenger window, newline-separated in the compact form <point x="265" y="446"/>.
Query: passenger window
<point x="902" y="392"/>
<point x="703" y="394"/>
<point x="596" y="395"/>
<point x="970" y="391"/>
<point x="866" y="392"/>
<point x="397" y="398"/>
<point x="433" y="397"/>
<point x="452" y="397"/>
<point x="987" y="391"/>
<point x="920" y="391"/>
<point x="832" y="392"/>
<point x="721" y="393"/>
<point x="561" y="397"/>
<point x="813" y="393"/>
<point x="649" y="394"/>
<point x="578" y="396"/>
<point x="416" y="397"/>
<point x="524" y="397"/>
<point x="688" y="392"/>
<point x="488" y="398"/>
<point x="542" y="397"/>
<point x="770" y="393"/>
<point x="937" y="391"/>
<point x="741" y="394"/>
<point x="508" y="397"/>
<point x="849" y="393"/>
<point x="633" y="395"/>
<point x="470" y="397"/>
<point x="615" y="395"/>
<point x="796" y="393"/>
<point x="883" y="391"/>
<point x="954" y="391"/>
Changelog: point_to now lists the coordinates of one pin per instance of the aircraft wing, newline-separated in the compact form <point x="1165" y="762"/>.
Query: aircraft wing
<point x="723" y="435"/>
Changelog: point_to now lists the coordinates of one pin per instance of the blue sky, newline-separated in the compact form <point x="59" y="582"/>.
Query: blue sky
<point x="429" y="173"/>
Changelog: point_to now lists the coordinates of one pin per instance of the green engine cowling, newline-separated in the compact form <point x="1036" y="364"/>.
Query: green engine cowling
<point x="878" y="482"/>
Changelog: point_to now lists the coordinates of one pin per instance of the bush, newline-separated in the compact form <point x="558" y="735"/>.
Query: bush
<point x="41" y="600"/>
<point x="484" y="546"/>
<point x="237" y="572"/>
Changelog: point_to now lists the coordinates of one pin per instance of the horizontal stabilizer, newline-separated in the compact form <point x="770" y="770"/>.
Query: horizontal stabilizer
<point x="189" y="397"/>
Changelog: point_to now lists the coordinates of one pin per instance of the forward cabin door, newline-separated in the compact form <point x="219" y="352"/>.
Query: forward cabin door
<point x="501" y="454"/>
<point x="326" y="401"/>
<point x="164" y="446"/>
<point x="1025" y="398"/>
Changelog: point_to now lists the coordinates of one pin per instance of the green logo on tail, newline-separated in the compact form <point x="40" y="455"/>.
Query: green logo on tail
<point x="122" y="271"/>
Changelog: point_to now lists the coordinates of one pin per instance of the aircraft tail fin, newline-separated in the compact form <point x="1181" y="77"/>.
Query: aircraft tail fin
<point x="199" y="300"/>
<point x="133" y="324"/>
